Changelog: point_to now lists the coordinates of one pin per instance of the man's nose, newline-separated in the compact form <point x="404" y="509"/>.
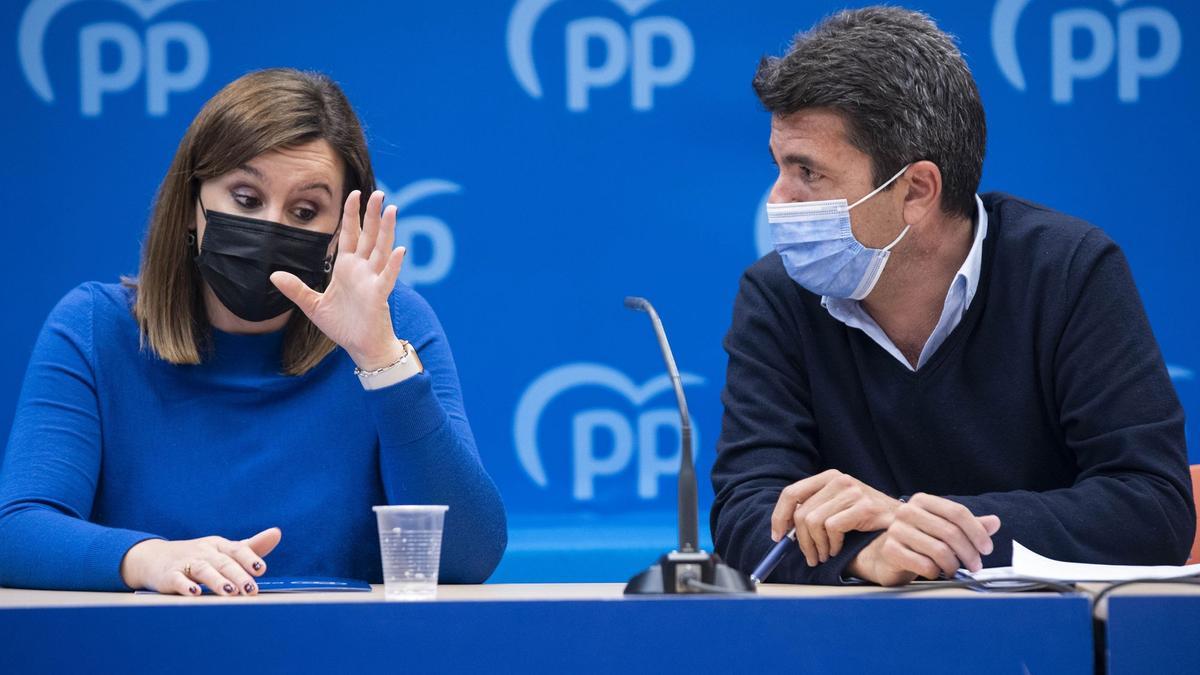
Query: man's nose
<point x="780" y="195"/>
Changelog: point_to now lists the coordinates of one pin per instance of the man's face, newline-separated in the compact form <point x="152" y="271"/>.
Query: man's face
<point x="817" y="162"/>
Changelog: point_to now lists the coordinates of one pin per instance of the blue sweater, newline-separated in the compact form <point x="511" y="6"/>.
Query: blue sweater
<point x="111" y="446"/>
<point x="1048" y="405"/>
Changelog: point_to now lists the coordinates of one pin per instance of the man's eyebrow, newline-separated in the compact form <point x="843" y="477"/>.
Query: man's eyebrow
<point x="804" y="160"/>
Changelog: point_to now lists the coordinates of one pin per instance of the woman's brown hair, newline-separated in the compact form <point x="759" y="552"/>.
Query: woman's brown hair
<point x="259" y="112"/>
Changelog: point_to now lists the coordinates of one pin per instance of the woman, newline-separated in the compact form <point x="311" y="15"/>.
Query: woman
<point x="217" y="394"/>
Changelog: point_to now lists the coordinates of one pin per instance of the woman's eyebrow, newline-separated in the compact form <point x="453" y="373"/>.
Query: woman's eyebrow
<point x="252" y="171"/>
<point x="317" y="185"/>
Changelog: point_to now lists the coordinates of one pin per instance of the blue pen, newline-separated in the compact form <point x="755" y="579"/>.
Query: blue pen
<point x="770" y="562"/>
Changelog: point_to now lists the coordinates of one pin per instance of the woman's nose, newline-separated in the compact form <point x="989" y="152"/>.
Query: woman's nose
<point x="275" y="214"/>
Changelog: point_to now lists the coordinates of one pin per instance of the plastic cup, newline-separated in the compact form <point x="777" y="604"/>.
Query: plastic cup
<point x="410" y="543"/>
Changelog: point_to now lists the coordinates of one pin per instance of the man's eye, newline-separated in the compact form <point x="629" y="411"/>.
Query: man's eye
<point x="247" y="201"/>
<point x="808" y="174"/>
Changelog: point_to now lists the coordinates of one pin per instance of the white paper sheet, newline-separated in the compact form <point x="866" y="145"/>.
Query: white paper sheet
<point x="1026" y="563"/>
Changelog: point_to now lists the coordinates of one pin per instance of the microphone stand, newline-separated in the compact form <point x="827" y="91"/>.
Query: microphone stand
<point x="687" y="569"/>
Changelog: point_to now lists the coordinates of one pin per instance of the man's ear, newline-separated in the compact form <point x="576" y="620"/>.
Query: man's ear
<point x="922" y="185"/>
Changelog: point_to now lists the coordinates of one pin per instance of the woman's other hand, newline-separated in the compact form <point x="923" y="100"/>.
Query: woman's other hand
<point x="179" y="567"/>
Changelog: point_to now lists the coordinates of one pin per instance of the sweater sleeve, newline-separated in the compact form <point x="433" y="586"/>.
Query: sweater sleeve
<point x="1131" y="502"/>
<point x="768" y="437"/>
<point x="52" y="463"/>
<point x="427" y="452"/>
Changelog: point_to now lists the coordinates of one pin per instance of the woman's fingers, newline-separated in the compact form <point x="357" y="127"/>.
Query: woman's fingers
<point x="296" y="290"/>
<point x="264" y="542"/>
<point x="177" y="583"/>
<point x="204" y="572"/>
<point x="370" y="227"/>
<point x="249" y="560"/>
<point x="245" y="556"/>
<point x="387" y="236"/>
<point x="392" y="270"/>
<point x="348" y="236"/>
<point x="233" y="571"/>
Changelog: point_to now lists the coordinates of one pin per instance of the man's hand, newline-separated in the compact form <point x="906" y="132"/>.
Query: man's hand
<point x="824" y="507"/>
<point x="930" y="536"/>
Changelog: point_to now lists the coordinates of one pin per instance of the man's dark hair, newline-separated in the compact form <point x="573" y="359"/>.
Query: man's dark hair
<point x="902" y="87"/>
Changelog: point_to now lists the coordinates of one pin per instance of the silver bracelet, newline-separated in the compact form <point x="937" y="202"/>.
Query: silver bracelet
<point x="371" y="373"/>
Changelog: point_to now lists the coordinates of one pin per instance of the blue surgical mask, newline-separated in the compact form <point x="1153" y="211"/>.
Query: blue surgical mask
<point x="819" y="250"/>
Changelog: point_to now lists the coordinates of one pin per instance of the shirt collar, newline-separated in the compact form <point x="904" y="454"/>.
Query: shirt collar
<point x="972" y="267"/>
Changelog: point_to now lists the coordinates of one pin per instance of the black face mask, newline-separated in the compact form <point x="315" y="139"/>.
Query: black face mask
<point x="239" y="254"/>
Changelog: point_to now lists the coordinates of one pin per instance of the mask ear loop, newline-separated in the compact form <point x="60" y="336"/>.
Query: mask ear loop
<point x="328" y="268"/>
<point x="897" y="240"/>
<point x="191" y="235"/>
<point x="875" y="192"/>
<point x="880" y="188"/>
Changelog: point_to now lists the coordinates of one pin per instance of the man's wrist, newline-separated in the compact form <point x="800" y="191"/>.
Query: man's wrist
<point x="862" y="565"/>
<point x="857" y="568"/>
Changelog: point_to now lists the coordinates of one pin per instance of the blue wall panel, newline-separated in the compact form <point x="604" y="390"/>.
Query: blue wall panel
<point x="551" y="157"/>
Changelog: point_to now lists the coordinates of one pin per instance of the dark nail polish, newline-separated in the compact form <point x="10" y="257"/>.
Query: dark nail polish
<point x="249" y="587"/>
<point x="193" y="590"/>
<point x="228" y="588"/>
<point x="257" y="566"/>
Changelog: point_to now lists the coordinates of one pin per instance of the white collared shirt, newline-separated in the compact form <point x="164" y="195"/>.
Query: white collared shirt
<point x="958" y="298"/>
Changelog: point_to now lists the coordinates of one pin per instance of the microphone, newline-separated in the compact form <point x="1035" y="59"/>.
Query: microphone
<point x="689" y="539"/>
<point x="687" y="569"/>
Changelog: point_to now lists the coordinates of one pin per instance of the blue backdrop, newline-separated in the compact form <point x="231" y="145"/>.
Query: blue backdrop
<point x="549" y="158"/>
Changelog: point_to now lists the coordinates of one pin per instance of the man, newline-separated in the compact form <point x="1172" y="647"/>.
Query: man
<point x="919" y="380"/>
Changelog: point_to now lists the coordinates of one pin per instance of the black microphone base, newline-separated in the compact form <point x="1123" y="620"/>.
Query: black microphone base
<point x="689" y="572"/>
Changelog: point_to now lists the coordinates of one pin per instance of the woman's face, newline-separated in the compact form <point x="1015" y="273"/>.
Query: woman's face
<point x="299" y="187"/>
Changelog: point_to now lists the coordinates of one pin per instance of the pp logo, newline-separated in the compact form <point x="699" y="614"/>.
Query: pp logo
<point x="136" y="55"/>
<point x="623" y="51"/>
<point x="1180" y="374"/>
<point x="587" y="424"/>
<point x="433" y="230"/>
<point x="1124" y="43"/>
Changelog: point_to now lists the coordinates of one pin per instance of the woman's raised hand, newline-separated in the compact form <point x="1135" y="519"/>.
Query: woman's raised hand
<point x="353" y="310"/>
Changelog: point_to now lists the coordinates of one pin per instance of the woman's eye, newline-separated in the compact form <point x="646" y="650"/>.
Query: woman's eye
<point x="304" y="214"/>
<point x="247" y="201"/>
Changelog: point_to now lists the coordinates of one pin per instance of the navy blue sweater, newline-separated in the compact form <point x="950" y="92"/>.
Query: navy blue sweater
<point x="111" y="446"/>
<point x="1049" y="405"/>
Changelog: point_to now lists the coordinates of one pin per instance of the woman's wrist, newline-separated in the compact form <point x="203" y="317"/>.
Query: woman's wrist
<point x="407" y="365"/>
<point x="132" y="565"/>
<point x="380" y="357"/>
